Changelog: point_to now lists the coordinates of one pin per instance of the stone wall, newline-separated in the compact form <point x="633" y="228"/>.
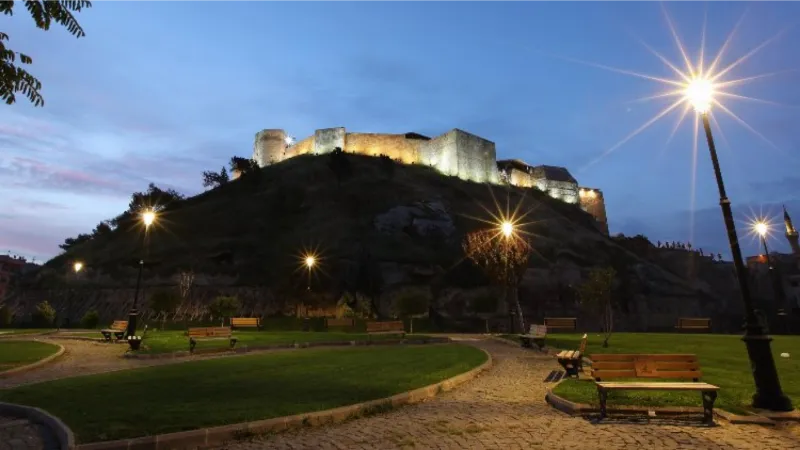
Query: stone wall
<point x="477" y="159"/>
<point x="395" y="146"/>
<point x="520" y="178"/>
<point x="592" y="201"/>
<point x="327" y="139"/>
<point x="300" y="148"/>
<point x="440" y="153"/>
<point x="269" y="146"/>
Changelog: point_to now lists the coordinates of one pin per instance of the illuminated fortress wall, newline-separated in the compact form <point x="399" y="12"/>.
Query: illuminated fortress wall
<point x="455" y="153"/>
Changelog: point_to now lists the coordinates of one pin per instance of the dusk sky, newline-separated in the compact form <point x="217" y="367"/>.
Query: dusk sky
<point x="160" y="91"/>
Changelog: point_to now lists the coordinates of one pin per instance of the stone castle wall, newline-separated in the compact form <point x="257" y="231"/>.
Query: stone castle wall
<point x="269" y="146"/>
<point x="593" y="202"/>
<point x="395" y="146"/>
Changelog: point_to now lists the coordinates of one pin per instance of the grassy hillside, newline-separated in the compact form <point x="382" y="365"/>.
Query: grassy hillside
<point x="257" y="228"/>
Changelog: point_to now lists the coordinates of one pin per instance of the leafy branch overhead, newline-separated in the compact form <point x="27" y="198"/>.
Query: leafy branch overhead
<point x="15" y="79"/>
<point x="504" y="260"/>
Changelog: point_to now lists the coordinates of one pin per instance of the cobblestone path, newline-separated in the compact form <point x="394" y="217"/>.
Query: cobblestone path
<point x="505" y="409"/>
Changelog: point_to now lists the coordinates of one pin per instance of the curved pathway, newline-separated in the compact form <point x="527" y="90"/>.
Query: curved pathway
<point x="505" y="409"/>
<point x="21" y="434"/>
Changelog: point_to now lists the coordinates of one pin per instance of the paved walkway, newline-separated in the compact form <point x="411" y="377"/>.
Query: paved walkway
<point x="505" y="409"/>
<point x="20" y="434"/>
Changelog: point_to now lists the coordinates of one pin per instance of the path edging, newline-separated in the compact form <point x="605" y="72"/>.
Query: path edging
<point x="296" y="344"/>
<point x="222" y="434"/>
<point x="577" y="409"/>
<point x="36" y="364"/>
<point x="66" y="439"/>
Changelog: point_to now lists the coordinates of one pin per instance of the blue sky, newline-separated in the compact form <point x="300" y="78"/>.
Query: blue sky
<point x="160" y="91"/>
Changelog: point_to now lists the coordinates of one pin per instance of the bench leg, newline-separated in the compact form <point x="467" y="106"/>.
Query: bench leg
<point x="708" y="406"/>
<point x="233" y="342"/>
<point x="603" y="394"/>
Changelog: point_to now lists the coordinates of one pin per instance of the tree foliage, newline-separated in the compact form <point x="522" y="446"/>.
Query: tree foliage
<point x="596" y="293"/>
<point x="369" y="280"/>
<point x="5" y="316"/>
<point x="15" y="79"/>
<point x="164" y="302"/>
<point x="71" y="242"/>
<point x="44" y="315"/>
<point x="153" y="198"/>
<point x="340" y="165"/>
<point x="503" y="259"/>
<point x="387" y="166"/>
<point x="224" y="306"/>
<point x="215" y="179"/>
<point x="90" y="319"/>
<point x="245" y="166"/>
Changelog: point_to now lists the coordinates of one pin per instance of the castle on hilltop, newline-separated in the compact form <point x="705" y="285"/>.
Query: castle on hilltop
<point x="455" y="153"/>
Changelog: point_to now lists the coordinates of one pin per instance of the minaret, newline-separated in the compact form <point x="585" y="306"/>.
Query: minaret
<point x="791" y="233"/>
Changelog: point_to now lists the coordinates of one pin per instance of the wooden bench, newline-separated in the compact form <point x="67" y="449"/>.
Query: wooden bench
<point x="561" y="323"/>
<point x="694" y="324"/>
<point x="607" y="366"/>
<point x="117" y="328"/>
<point x="210" y="333"/>
<point x="392" y="327"/>
<point x="345" y="322"/>
<point x="572" y="360"/>
<point x="536" y="335"/>
<point x="246" y="322"/>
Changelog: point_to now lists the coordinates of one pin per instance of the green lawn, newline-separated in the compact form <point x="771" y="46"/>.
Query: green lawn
<point x="170" y="341"/>
<point x="19" y="331"/>
<point x="14" y="353"/>
<point x="213" y="392"/>
<point x="723" y="360"/>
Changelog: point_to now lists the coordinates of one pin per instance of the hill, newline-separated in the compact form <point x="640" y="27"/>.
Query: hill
<point x="404" y="222"/>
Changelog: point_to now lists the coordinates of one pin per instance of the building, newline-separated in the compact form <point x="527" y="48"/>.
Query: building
<point x="10" y="267"/>
<point x="787" y="267"/>
<point x="455" y="153"/>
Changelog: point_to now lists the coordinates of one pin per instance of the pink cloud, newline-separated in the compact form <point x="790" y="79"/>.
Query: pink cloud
<point x="45" y="175"/>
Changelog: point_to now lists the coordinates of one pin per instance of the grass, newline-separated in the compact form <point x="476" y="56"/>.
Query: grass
<point x="170" y="341"/>
<point x="214" y="392"/>
<point x="21" y="331"/>
<point x="723" y="361"/>
<point x="14" y="353"/>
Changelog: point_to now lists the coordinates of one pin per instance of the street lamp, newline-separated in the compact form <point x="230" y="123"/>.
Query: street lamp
<point x="700" y="94"/>
<point x="507" y="228"/>
<point x="148" y="217"/>
<point x="310" y="261"/>
<point x="762" y="229"/>
<point x="77" y="266"/>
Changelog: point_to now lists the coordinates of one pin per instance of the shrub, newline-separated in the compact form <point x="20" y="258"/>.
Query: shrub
<point x="223" y="307"/>
<point x="5" y="316"/>
<point x="90" y="319"/>
<point x="45" y="315"/>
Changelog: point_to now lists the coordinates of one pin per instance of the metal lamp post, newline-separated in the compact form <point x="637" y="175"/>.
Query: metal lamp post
<point x="768" y="387"/>
<point x="148" y="217"/>
<point x="777" y="286"/>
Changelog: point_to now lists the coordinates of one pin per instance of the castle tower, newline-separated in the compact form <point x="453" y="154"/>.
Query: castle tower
<point x="269" y="147"/>
<point x="791" y="233"/>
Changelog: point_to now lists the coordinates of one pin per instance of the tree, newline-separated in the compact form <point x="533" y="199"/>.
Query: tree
<point x="154" y="198"/>
<point x="185" y="283"/>
<point x="215" y="179"/>
<point x="71" y="242"/>
<point x="503" y="259"/>
<point x="409" y="305"/>
<point x="244" y="166"/>
<point x="340" y="165"/>
<point x="45" y="315"/>
<point x="223" y="307"/>
<point x="164" y="302"/>
<point x="369" y="281"/>
<point x="103" y="228"/>
<point x="5" y="316"/>
<point x="596" y="293"/>
<point x="90" y="319"/>
<point x="15" y="79"/>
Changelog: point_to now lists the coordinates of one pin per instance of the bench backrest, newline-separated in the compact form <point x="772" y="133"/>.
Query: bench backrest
<point x="342" y="322"/>
<point x="210" y="332"/>
<point x="561" y="322"/>
<point x="584" y="341"/>
<point x="119" y="325"/>
<point x="607" y="366"/>
<point x="377" y="327"/>
<point x="538" y="330"/>
<point x="245" y="321"/>
<point x="694" y="322"/>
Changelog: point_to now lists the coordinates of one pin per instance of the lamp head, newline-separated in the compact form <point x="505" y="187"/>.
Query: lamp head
<point x="310" y="261"/>
<point x="700" y="94"/>
<point x="507" y="228"/>
<point x="148" y="217"/>
<point x="761" y="228"/>
<point x="77" y="266"/>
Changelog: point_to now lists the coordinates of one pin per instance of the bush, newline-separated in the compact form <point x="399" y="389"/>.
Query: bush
<point x="44" y="316"/>
<point x="5" y="316"/>
<point x="223" y="307"/>
<point x="90" y="319"/>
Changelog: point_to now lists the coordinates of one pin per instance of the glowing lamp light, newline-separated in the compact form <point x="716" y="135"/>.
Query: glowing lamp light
<point x="761" y="228"/>
<point x="507" y="228"/>
<point x="310" y="261"/>
<point x="77" y="267"/>
<point x="289" y="140"/>
<point x="700" y="93"/>
<point x="148" y="217"/>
